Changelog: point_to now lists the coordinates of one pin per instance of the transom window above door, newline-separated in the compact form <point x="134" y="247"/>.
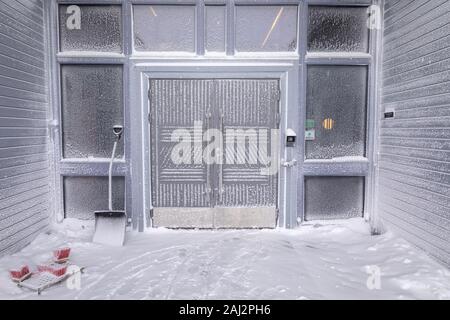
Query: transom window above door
<point x="184" y="27"/>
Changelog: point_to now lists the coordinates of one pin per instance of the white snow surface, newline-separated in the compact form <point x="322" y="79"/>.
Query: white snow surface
<point x="321" y="260"/>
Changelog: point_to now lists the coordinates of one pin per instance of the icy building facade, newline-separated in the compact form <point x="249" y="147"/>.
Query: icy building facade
<point x="357" y="91"/>
<point x="25" y="145"/>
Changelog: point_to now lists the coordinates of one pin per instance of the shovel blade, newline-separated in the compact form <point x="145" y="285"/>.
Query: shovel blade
<point x="110" y="228"/>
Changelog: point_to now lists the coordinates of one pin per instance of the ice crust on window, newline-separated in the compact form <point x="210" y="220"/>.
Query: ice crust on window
<point x="334" y="29"/>
<point x="100" y="29"/>
<point x="92" y="104"/>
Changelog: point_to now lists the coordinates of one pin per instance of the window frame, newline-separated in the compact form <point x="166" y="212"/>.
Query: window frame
<point x="358" y="168"/>
<point x="66" y="167"/>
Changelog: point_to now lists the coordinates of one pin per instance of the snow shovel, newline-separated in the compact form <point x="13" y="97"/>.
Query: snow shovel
<point x="110" y="225"/>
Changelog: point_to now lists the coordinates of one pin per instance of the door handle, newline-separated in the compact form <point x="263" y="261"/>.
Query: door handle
<point x="290" y="164"/>
<point x="221" y="189"/>
<point x="209" y="190"/>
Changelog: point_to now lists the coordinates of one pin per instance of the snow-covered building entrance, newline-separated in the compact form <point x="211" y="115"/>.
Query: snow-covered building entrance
<point x="346" y="101"/>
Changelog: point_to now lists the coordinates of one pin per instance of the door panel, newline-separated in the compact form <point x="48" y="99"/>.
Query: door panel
<point x="249" y="107"/>
<point x="336" y="144"/>
<point x="177" y="104"/>
<point x="222" y="194"/>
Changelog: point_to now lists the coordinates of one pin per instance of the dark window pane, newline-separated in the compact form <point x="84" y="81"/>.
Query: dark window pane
<point x="336" y="111"/>
<point x="328" y="198"/>
<point x="338" y="29"/>
<point x="92" y="104"/>
<point x="85" y="195"/>
<point x="100" y="28"/>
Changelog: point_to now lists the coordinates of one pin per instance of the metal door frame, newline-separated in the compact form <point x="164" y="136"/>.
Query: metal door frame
<point x="141" y="73"/>
<point x="366" y="166"/>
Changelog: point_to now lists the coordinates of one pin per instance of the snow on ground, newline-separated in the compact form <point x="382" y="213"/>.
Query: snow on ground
<point x="317" y="261"/>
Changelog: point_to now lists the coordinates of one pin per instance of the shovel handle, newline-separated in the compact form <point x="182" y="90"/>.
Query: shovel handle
<point x="111" y="163"/>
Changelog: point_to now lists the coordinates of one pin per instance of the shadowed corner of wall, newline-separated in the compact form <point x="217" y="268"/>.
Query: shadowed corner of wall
<point x="377" y="228"/>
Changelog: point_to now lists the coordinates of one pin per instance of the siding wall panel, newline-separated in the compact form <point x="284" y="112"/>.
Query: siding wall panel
<point x="19" y="142"/>
<point x="24" y="158"/>
<point x="414" y="164"/>
<point x="24" y="187"/>
<point x="432" y="29"/>
<point x="19" y="75"/>
<point x="22" y="113"/>
<point x="23" y="178"/>
<point x="16" y="9"/>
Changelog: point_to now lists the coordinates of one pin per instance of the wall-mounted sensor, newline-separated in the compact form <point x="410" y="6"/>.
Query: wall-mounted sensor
<point x="389" y="114"/>
<point x="291" y="138"/>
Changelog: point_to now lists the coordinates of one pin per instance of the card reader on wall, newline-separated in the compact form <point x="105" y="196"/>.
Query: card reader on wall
<point x="291" y="138"/>
<point x="389" y="114"/>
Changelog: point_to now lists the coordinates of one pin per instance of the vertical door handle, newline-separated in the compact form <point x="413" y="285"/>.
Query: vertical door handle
<point x="221" y="188"/>
<point x="290" y="164"/>
<point x="208" y="117"/>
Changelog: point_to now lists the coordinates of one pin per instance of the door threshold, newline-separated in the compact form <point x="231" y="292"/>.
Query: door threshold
<point x="215" y="218"/>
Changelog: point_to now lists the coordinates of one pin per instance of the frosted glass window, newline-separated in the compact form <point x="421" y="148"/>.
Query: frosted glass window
<point x="336" y="111"/>
<point x="266" y="28"/>
<point x="215" y="28"/>
<point x="92" y="104"/>
<point x="164" y="28"/>
<point x="328" y="198"/>
<point x="85" y="195"/>
<point x="98" y="28"/>
<point x="338" y="29"/>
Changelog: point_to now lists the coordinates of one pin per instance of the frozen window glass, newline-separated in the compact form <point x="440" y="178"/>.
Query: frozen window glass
<point x="266" y="28"/>
<point x="92" y="104"/>
<point x="215" y="28"/>
<point x="85" y="195"/>
<point x="336" y="111"/>
<point x="328" y="198"/>
<point x="334" y="29"/>
<point x="164" y="28"/>
<point x="90" y="28"/>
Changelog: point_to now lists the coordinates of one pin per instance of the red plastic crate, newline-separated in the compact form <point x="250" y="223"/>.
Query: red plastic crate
<point x="61" y="255"/>
<point x="20" y="274"/>
<point x="55" y="269"/>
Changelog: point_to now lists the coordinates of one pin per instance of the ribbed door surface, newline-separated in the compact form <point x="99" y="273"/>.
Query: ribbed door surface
<point x="175" y="105"/>
<point x="201" y="194"/>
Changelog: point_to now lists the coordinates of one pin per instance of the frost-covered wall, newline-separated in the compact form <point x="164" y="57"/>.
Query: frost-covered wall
<point x="24" y="160"/>
<point x="414" y="191"/>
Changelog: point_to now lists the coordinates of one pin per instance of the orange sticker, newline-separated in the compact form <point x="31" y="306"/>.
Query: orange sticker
<point x="328" y="124"/>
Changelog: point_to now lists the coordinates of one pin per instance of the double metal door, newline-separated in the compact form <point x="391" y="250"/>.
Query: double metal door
<point x="211" y="147"/>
